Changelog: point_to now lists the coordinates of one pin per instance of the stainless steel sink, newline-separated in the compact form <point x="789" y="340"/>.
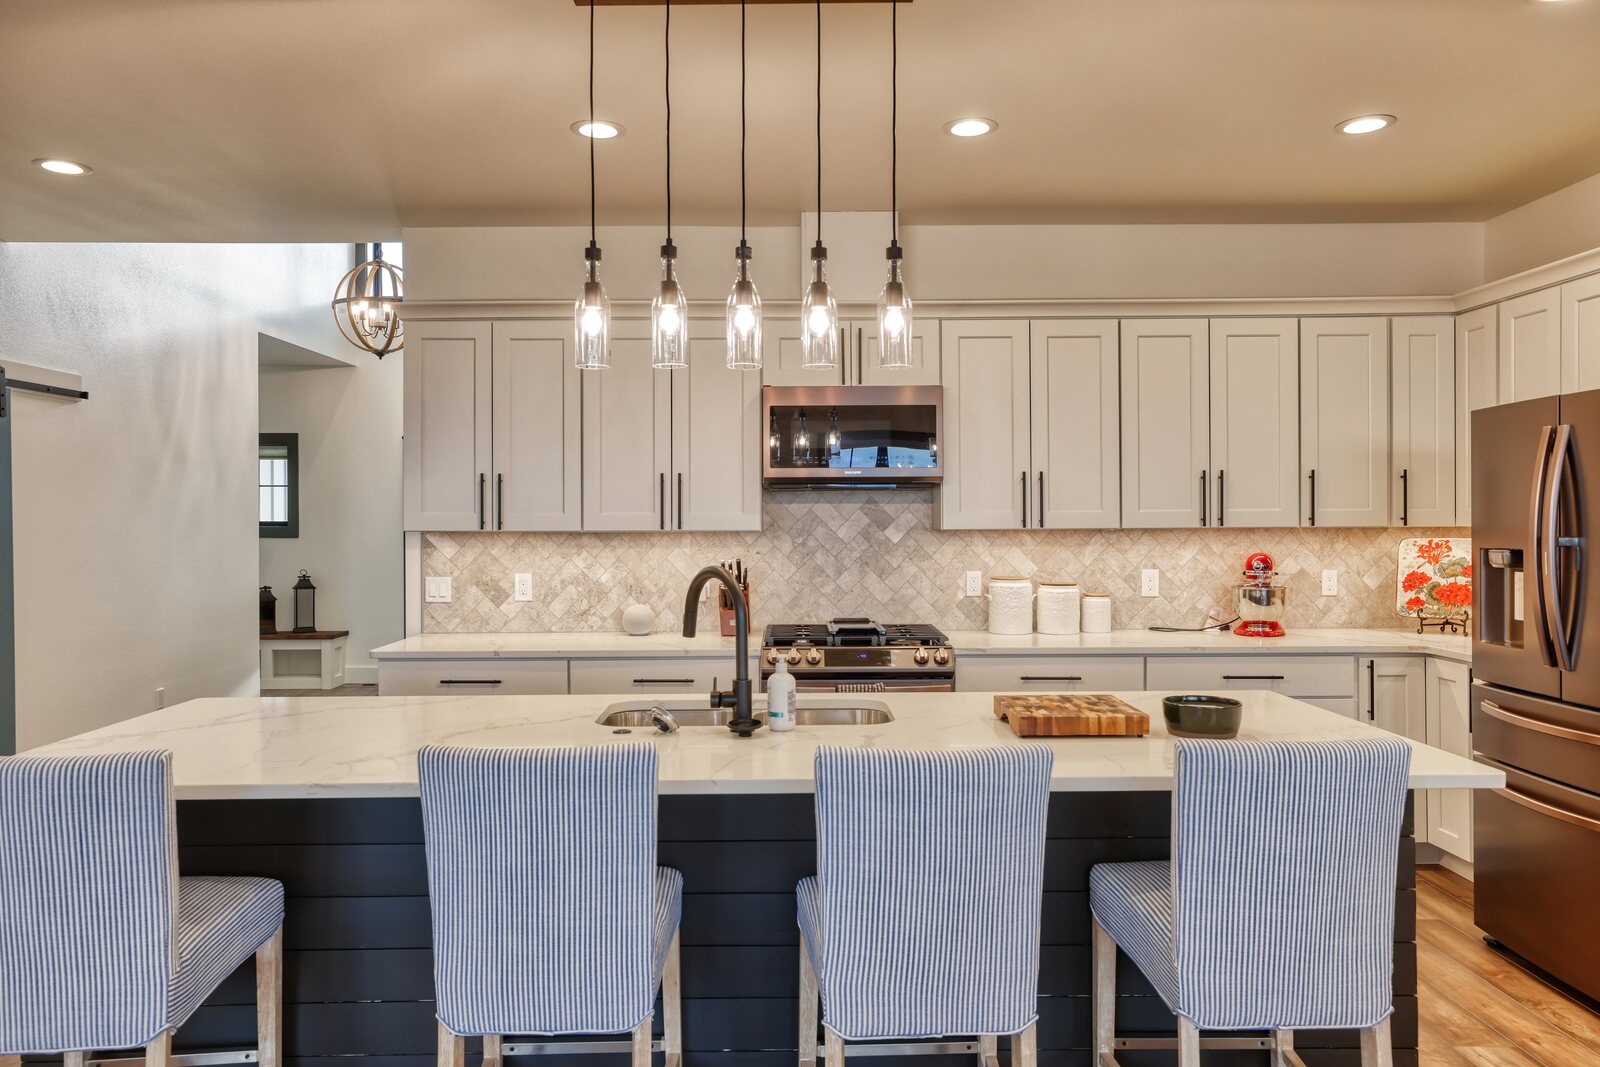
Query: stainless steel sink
<point x="635" y="714"/>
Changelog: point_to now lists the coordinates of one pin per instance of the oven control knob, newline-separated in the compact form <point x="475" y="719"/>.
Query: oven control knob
<point x="920" y="656"/>
<point x="772" y="655"/>
<point x="814" y="657"/>
<point x="941" y="656"/>
<point x="793" y="658"/>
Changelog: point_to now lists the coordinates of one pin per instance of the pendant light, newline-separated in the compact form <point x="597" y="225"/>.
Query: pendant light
<point x="819" y="313"/>
<point x="669" y="311"/>
<point x="591" y="316"/>
<point x="744" y="303"/>
<point x="894" y="306"/>
<point x="366" y="314"/>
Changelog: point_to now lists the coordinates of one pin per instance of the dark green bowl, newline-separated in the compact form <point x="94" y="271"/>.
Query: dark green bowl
<point x="1202" y="716"/>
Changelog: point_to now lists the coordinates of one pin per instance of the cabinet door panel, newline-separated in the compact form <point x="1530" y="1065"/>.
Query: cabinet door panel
<point x="924" y="369"/>
<point x="1530" y="346"/>
<point x="1477" y="386"/>
<point x="1450" y="728"/>
<point x="1255" y="422"/>
<point x="448" y="373"/>
<point x="627" y="437"/>
<point x="1076" y="425"/>
<point x="1394" y="695"/>
<point x="1423" y="471"/>
<point x="1580" y="335"/>
<point x="1166" y="435"/>
<point x="716" y="438"/>
<point x="986" y="401"/>
<point x="538" y="428"/>
<point x="781" y="355"/>
<point x="1345" y="422"/>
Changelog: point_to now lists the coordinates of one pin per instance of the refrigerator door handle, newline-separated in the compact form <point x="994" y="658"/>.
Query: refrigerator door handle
<point x="1558" y="475"/>
<point x="1536" y="548"/>
<point x="1528" y="722"/>
<point x="1550" y="810"/>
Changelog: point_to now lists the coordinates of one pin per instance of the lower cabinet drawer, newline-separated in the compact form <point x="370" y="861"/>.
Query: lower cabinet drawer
<point x="665" y="674"/>
<point x="1296" y="676"/>
<point x="1048" y="674"/>
<point x="504" y="677"/>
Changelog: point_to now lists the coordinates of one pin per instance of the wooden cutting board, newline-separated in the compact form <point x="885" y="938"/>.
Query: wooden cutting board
<point x="1070" y="715"/>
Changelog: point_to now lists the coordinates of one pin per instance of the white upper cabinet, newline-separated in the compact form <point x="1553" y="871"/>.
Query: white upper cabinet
<point x="1075" y="418"/>
<point x="716" y="438"/>
<point x="627" y="437"/>
<point x="448" y="369"/>
<point x="538" y="428"/>
<point x="924" y="369"/>
<point x="1255" y="422"/>
<point x="782" y="356"/>
<point x="1423" y="469"/>
<point x="1530" y="346"/>
<point x="1477" y="386"/>
<point x="1580" y="335"/>
<point x="986" y="425"/>
<point x="1166" y="435"/>
<point x="1344" y="421"/>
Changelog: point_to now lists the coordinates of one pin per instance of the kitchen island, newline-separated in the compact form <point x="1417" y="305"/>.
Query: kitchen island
<point x="321" y="793"/>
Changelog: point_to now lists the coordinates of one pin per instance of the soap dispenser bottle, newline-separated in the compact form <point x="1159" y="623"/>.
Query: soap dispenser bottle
<point x="780" y="699"/>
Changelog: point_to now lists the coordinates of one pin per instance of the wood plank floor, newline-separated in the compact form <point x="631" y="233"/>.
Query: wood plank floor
<point x="1481" y="1008"/>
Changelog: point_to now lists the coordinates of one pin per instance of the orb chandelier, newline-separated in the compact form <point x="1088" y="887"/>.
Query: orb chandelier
<point x="366" y="306"/>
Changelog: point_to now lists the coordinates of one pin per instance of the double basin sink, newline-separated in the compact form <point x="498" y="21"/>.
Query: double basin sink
<point x="636" y="714"/>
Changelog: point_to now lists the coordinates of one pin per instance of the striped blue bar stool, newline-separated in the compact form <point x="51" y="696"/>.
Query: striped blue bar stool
<point x="102" y="945"/>
<point x="1276" y="912"/>
<point x="550" y="916"/>
<point x="922" y="923"/>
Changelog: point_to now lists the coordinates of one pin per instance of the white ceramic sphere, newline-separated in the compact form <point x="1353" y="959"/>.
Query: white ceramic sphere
<point x="637" y="619"/>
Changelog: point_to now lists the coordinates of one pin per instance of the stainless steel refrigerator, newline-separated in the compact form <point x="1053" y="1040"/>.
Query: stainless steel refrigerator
<point x="1536" y="693"/>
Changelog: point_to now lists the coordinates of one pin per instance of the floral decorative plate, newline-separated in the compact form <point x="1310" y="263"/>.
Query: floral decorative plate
<point x="1435" y="579"/>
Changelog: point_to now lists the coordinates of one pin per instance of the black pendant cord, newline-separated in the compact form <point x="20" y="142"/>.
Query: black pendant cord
<point x="819" y="123"/>
<point x="743" y="202"/>
<point x="668" y="38"/>
<point x="593" y="233"/>
<point x="894" y="122"/>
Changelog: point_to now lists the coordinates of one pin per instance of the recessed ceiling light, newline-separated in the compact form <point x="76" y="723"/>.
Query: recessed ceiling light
<point x="972" y="127"/>
<point x="1366" y="124"/>
<point x="63" y="166"/>
<point x="600" y="131"/>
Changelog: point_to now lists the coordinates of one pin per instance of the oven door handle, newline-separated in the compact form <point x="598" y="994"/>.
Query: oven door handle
<point x="1540" y="807"/>
<point x="1526" y="722"/>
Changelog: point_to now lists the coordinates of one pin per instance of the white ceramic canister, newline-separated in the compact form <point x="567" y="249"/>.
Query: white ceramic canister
<point x="1010" y="605"/>
<point x="1059" y="607"/>
<point x="1097" y="613"/>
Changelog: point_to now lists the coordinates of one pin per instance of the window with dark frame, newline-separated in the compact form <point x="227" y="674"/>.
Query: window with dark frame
<point x="279" y="464"/>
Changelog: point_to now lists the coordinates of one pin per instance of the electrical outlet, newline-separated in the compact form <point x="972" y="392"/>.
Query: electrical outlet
<point x="524" y="587"/>
<point x="436" y="590"/>
<point x="974" y="583"/>
<point x="161" y="698"/>
<point x="1330" y="583"/>
<point x="1149" y="582"/>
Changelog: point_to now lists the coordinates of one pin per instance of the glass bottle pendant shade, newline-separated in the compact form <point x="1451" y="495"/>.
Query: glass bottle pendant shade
<point x="744" y="317"/>
<point x="669" y="319"/>
<point x="819" y="316"/>
<point x="894" y="318"/>
<point x="591" y="319"/>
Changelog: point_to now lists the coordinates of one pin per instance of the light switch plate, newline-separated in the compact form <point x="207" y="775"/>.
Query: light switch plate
<point x="524" y="587"/>
<point x="436" y="590"/>
<point x="974" y="584"/>
<point x="1149" y="582"/>
<point x="1330" y="583"/>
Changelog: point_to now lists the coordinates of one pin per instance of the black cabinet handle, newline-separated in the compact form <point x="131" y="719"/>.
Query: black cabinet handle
<point x="1051" y="678"/>
<point x="1372" y="690"/>
<point x="1252" y="678"/>
<point x="483" y="480"/>
<point x="469" y="681"/>
<point x="1041" y="500"/>
<point x="499" y="501"/>
<point x="1024" y="500"/>
<point x="680" y="500"/>
<point x="661" y="504"/>
<point x="1222" y="499"/>
<point x="663" y="681"/>
<point x="1405" y="497"/>
<point x="1205" y="491"/>
<point x="1313" y="477"/>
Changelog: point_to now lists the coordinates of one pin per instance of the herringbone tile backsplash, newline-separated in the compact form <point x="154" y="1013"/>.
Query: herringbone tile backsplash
<point x="824" y="554"/>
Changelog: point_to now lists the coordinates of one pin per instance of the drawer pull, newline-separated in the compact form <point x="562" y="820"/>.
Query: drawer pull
<point x="1052" y="678"/>
<point x="469" y="681"/>
<point x="1567" y="733"/>
<point x="663" y="681"/>
<point x="1541" y="808"/>
<point x="1252" y="677"/>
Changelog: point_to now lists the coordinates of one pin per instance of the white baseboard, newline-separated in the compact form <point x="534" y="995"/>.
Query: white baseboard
<point x="1456" y="865"/>
<point x="361" y="675"/>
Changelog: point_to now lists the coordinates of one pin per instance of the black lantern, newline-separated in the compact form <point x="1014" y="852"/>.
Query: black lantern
<point x="269" y="611"/>
<point x="305" y="605"/>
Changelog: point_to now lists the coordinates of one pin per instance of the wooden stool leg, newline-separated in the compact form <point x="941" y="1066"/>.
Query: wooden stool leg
<point x="1283" y="1054"/>
<point x="809" y="997"/>
<point x="158" y="1053"/>
<point x="672" y="1006"/>
<point x="1377" y="1050"/>
<point x="835" y="1049"/>
<point x="73" y="1059"/>
<point x="452" y="1048"/>
<point x="641" y="1041"/>
<point x="1104" y="954"/>
<point x="1025" y="1047"/>
<point x="1188" y="1043"/>
<point x="491" y="1050"/>
<point x="988" y="1050"/>
<point x="269" y="1001"/>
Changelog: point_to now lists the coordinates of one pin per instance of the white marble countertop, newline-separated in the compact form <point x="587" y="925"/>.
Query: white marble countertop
<point x="243" y="748"/>
<point x="968" y="642"/>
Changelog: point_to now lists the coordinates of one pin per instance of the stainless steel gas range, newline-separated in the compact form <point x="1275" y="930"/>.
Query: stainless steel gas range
<point x="861" y="656"/>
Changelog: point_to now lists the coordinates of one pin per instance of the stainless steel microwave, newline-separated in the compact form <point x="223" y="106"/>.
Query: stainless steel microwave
<point x="852" y="436"/>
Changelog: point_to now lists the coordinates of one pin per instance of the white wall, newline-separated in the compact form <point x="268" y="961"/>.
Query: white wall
<point x="136" y="529"/>
<point x="1553" y="227"/>
<point x="349" y="422"/>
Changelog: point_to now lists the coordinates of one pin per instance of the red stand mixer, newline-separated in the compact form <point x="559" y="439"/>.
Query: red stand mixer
<point x="1258" y="599"/>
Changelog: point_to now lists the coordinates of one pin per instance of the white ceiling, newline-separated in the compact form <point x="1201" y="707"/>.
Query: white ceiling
<point x="347" y="119"/>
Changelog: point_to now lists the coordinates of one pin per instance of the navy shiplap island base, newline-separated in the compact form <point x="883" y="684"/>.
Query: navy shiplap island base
<point x="321" y="793"/>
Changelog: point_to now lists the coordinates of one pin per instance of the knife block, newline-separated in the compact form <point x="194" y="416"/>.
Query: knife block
<point x="727" y="618"/>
